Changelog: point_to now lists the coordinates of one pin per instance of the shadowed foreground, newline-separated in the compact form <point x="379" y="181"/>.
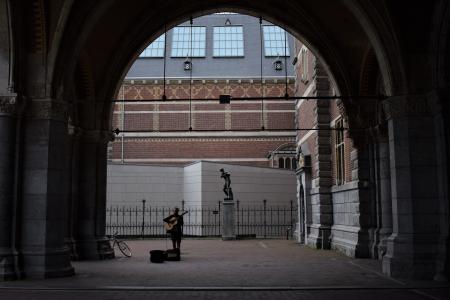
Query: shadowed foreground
<point x="213" y="269"/>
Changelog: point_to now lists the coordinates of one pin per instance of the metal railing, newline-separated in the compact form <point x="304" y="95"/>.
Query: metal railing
<point x="251" y="220"/>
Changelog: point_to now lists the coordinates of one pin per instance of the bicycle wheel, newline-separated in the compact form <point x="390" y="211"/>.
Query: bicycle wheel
<point x="123" y="247"/>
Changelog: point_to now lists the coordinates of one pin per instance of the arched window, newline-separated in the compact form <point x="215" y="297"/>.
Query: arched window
<point x="281" y="163"/>
<point x="288" y="163"/>
<point x="294" y="164"/>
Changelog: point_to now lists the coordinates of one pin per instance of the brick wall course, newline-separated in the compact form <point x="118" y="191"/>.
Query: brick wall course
<point x="158" y="116"/>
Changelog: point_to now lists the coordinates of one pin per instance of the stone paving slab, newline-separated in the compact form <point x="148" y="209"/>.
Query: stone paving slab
<point x="245" y="269"/>
<point x="225" y="295"/>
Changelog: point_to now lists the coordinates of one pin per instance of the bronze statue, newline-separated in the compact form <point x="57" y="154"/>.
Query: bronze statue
<point x="227" y="185"/>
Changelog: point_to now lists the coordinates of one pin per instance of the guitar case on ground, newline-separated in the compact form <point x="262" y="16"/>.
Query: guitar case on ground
<point x="157" y="256"/>
<point x="173" y="255"/>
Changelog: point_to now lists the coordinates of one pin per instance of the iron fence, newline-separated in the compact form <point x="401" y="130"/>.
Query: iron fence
<point x="258" y="221"/>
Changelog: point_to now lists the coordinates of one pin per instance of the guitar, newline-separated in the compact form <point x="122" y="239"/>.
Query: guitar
<point x="173" y="221"/>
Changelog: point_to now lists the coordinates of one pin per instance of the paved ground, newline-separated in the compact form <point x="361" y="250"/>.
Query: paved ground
<point x="213" y="269"/>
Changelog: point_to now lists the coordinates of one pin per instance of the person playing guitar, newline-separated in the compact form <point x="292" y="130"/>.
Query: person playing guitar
<point x="174" y="226"/>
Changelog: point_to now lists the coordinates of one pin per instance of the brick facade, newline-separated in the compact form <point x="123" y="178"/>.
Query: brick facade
<point x="238" y="124"/>
<point x="332" y="209"/>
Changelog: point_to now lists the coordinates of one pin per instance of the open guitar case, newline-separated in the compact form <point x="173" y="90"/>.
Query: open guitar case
<point x="159" y="256"/>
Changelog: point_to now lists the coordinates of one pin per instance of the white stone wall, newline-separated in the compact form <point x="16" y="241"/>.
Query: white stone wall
<point x="250" y="184"/>
<point x="128" y="184"/>
<point x="199" y="184"/>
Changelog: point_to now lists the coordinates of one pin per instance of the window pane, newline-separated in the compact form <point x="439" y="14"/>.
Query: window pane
<point x="155" y="49"/>
<point x="228" y="41"/>
<point x="181" y="44"/>
<point x="275" y="41"/>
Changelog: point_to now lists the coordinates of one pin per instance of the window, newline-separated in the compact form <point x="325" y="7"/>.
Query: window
<point x="281" y="163"/>
<point x="339" y="148"/>
<point x="304" y="64"/>
<point x="155" y="49"/>
<point x="288" y="163"/>
<point x="228" y="41"/>
<point x="275" y="41"/>
<point x="181" y="43"/>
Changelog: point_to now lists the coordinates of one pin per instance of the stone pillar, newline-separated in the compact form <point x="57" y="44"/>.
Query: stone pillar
<point x="299" y="226"/>
<point x="71" y="181"/>
<point x="412" y="247"/>
<point x="7" y="154"/>
<point x="440" y="106"/>
<point x="303" y="199"/>
<point x="42" y="236"/>
<point x="91" y="242"/>
<point x="383" y="195"/>
<point x="228" y="232"/>
<point x="321" y="202"/>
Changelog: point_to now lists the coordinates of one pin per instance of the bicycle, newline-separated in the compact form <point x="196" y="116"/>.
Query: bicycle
<point x="116" y="243"/>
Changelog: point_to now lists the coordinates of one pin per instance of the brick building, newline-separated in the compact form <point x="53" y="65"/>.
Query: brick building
<point x="333" y="190"/>
<point x="226" y="60"/>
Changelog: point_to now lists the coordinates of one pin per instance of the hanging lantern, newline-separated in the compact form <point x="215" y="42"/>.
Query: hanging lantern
<point x="278" y="65"/>
<point x="187" y="65"/>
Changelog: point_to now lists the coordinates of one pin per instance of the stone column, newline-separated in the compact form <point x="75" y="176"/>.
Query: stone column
<point x="71" y="181"/>
<point x="42" y="236"/>
<point x="383" y="195"/>
<point x="303" y="199"/>
<point x="91" y="242"/>
<point x="412" y="247"/>
<point x="321" y="201"/>
<point x="7" y="154"/>
<point x="440" y="106"/>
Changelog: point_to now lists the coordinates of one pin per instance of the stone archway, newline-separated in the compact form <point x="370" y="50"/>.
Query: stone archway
<point x="63" y="66"/>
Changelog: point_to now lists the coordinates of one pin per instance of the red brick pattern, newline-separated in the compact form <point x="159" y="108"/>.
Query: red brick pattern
<point x="334" y="111"/>
<point x="138" y="122"/>
<point x="245" y="121"/>
<point x="204" y="90"/>
<point x="280" y="120"/>
<point x="179" y="121"/>
<point x="306" y="119"/>
<point x="142" y="148"/>
<point x="209" y="121"/>
<point x="174" y="116"/>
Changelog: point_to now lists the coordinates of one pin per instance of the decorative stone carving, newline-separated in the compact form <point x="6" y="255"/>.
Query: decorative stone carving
<point x="8" y="104"/>
<point x="96" y="136"/>
<point x="47" y="109"/>
<point x="410" y="105"/>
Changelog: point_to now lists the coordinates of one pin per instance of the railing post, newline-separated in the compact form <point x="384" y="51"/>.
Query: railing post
<point x="220" y="202"/>
<point x="237" y="209"/>
<point x="182" y="205"/>
<point x="265" y="220"/>
<point x="143" y="218"/>
<point x="292" y="224"/>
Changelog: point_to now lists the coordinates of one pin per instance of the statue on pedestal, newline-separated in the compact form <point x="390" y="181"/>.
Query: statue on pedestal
<point x="227" y="185"/>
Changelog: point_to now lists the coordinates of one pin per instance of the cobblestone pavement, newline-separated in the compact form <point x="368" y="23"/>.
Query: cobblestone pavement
<point x="215" y="269"/>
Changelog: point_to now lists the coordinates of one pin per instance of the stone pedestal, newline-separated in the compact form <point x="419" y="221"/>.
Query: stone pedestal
<point x="228" y="232"/>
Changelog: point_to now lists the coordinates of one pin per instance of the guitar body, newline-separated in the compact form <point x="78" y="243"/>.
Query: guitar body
<point x="172" y="222"/>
